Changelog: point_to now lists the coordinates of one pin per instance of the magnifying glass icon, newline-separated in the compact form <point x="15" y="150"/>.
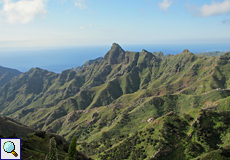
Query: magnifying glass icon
<point x="9" y="147"/>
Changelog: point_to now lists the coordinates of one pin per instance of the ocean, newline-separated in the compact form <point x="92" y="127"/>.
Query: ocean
<point x="57" y="59"/>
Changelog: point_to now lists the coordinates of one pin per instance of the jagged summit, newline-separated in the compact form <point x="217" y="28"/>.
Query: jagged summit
<point x="158" y="54"/>
<point x="115" y="45"/>
<point x="115" y="55"/>
<point x="143" y="50"/>
<point x="186" y="51"/>
<point x="147" y="56"/>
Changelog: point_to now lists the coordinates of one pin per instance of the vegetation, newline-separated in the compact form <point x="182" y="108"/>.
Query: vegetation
<point x="53" y="152"/>
<point x="6" y="74"/>
<point x="72" y="149"/>
<point x="127" y="105"/>
<point x="215" y="53"/>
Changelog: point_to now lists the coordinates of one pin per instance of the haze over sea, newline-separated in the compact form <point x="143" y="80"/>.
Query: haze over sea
<point x="57" y="59"/>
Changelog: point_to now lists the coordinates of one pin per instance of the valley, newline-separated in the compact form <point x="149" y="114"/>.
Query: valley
<point x="107" y="103"/>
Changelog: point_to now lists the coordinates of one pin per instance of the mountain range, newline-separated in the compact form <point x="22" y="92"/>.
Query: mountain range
<point x="130" y="105"/>
<point x="215" y="53"/>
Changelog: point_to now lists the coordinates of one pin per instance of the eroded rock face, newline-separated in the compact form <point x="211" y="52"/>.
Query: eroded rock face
<point x="186" y="51"/>
<point x="170" y="113"/>
<point x="115" y="55"/>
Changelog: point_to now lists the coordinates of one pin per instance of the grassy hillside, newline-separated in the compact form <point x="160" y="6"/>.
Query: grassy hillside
<point x="34" y="144"/>
<point x="200" y="134"/>
<point x="6" y="74"/>
<point x="108" y="101"/>
<point x="9" y="127"/>
<point x="87" y="63"/>
<point x="215" y="53"/>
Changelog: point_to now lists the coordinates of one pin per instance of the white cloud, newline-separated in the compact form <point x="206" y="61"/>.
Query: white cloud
<point x="22" y="11"/>
<point x="216" y="8"/>
<point x="80" y="4"/>
<point x="165" y="4"/>
<point x="90" y="25"/>
<point x="82" y="27"/>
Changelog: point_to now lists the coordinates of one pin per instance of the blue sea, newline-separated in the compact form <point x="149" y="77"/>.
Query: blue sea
<point x="57" y="59"/>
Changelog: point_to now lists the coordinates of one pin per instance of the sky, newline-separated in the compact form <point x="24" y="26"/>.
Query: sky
<point x="52" y="23"/>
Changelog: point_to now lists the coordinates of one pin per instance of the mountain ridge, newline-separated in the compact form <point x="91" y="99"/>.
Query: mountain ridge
<point x="117" y="94"/>
<point x="87" y="63"/>
<point x="214" y="53"/>
<point x="67" y="77"/>
<point x="6" y="74"/>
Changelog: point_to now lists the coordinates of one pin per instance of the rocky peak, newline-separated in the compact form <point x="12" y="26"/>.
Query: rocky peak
<point x="115" y="55"/>
<point x="158" y="54"/>
<point x="186" y="51"/>
<point x="147" y="54"/>
<point x="143" y="50"/>
<point x="115" y="45"/>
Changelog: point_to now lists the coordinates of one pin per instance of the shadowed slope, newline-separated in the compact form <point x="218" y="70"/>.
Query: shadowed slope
<point x="112" y="96"/>
<point x="6" y="74"/>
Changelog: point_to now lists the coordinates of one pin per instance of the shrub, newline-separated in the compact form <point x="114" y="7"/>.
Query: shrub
<point x="188" y="117"/>
<point x="40" y="134"/>
<point x="72" y="149"/>
<point x="57" y="138"/>
<point x="53" y="152"/>
<point x="194" y="149"/>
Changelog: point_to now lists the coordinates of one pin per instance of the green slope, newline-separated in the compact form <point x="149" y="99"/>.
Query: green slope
<point x="201" y="134"/>
<point x="215" y="53"/>
<point x="116" y="95"/>
<point x="6" y="74"/>
<point x="34" y="144"/>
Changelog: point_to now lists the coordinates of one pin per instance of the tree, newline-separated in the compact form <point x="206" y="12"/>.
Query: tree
<point x="72" y="149"/>
<point x="53" y="152"/>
